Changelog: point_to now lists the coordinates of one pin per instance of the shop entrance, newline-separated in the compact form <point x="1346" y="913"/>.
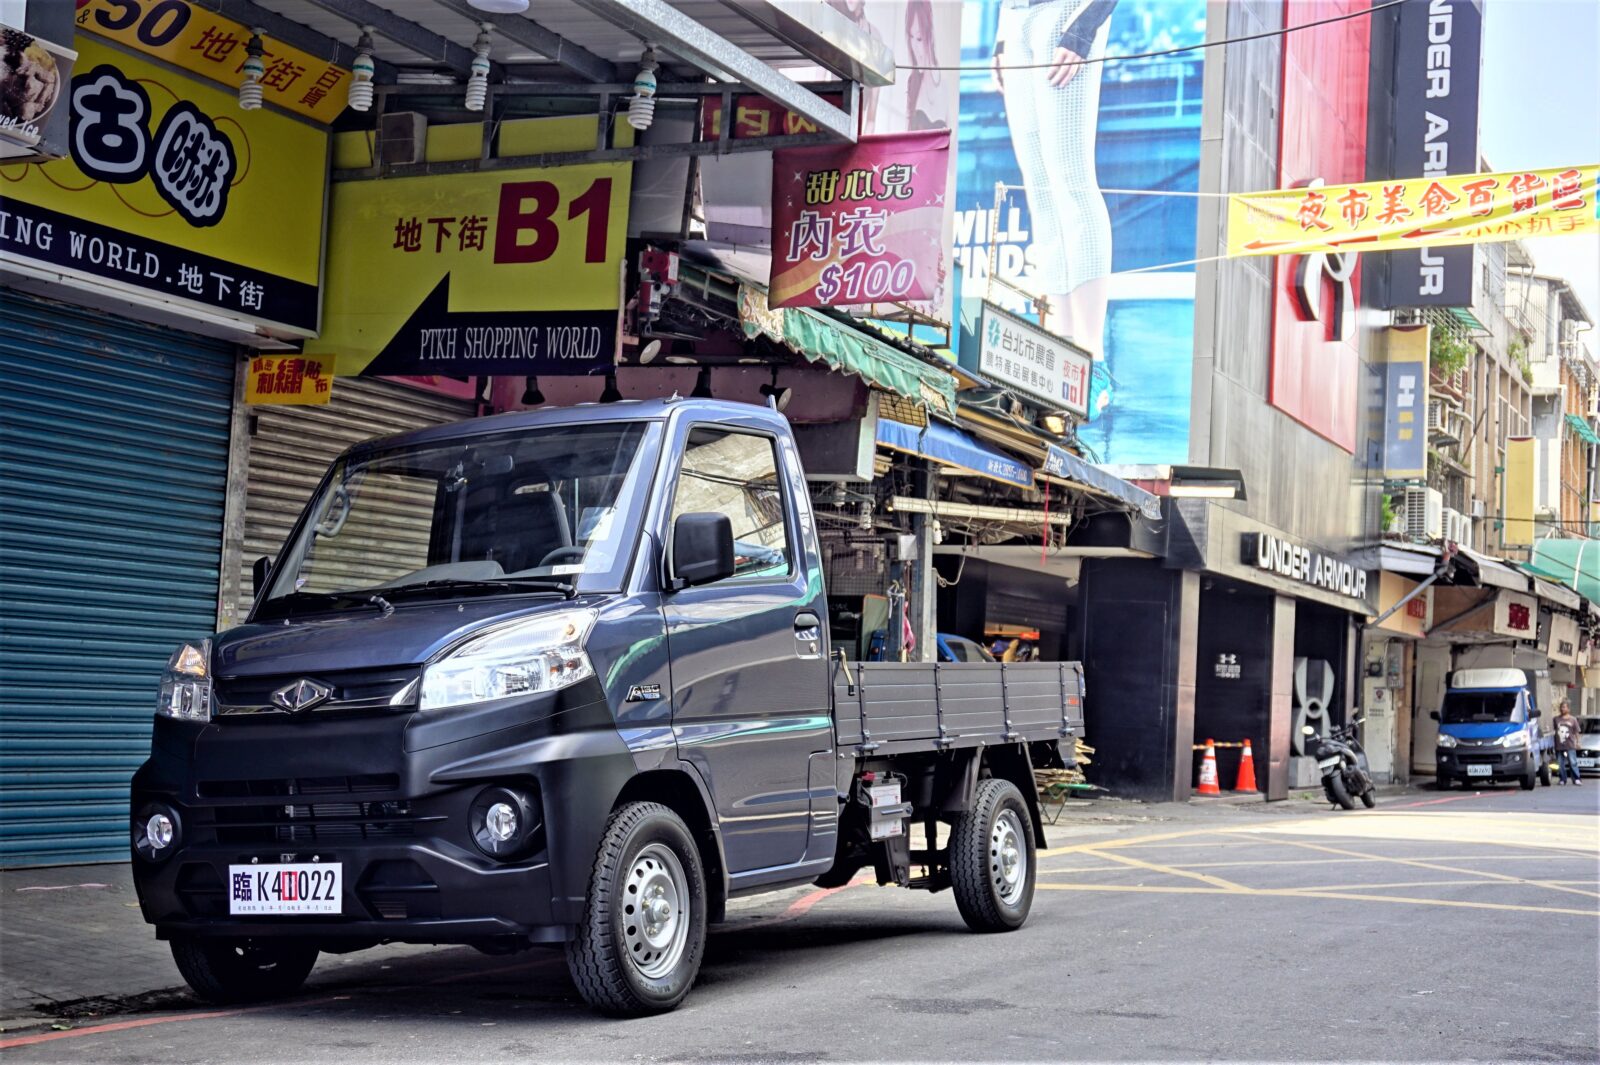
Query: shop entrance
<point x="1233" y="676"/>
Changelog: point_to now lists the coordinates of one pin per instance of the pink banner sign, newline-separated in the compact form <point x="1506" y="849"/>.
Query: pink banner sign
<point x="860" y="223"/>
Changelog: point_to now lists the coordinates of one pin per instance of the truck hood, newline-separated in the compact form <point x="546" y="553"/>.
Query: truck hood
<point x="363" y="639"/>
<point x="1487" y="730"/>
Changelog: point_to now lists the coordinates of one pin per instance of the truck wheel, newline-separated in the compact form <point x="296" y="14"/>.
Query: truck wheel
<point x="1544" y="770"/>
<point x="1528" y="782"/>
<point x="991" y="859"/>
<point x="243" y="970"/>
<point x="643" y="933"/>
<point x="1441" y="783"/>
<point x="1338" y="794"/>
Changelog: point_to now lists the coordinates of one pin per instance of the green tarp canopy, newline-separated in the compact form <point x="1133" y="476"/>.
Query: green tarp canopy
<point x="1581" y="427"/>
<point x="1574" y="563"/>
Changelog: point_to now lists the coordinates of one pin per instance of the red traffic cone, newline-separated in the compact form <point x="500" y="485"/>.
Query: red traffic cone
<point x="1208" y="771"/>
<point x="1247" y="771"/>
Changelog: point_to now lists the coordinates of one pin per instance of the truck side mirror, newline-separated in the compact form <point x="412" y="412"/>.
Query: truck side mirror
<point x="1434" y="714"/>
<point x="260" y="570"/>
<point x="702" y="549"/>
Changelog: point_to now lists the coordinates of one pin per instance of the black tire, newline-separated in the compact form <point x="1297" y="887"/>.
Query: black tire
<point x="229" y="971"/>
<point x="1369" y="798"/>
<point x="620" y="966"/>
<point x="1337" y="793"/>
<point x="1544" y="770"/>
<point x="984" y="854"/>
<point x="1441" y="783"/>
<point x="1530" y="781"/>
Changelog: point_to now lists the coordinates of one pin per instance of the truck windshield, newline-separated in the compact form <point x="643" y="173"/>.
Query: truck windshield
<point x="540" y="509"/>
<point x="1476" y="708"/>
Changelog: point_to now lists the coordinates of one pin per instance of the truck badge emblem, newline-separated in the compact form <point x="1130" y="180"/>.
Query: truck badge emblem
<point x="644" y="693"/>
<point x="301" y="695"/>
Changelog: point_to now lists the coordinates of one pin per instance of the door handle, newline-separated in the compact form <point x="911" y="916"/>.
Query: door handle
<point x="808" y="632"/>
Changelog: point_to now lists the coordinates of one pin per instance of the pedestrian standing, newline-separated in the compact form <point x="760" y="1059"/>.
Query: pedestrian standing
<point x="1566" y="727"/>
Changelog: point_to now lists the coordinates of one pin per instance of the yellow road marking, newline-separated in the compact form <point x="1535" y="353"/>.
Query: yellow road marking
<point x="1439" y="868"/>
<point x="1167" y="870"/>
<point x="1095" y="845"/>
<point x="1287" y="893"/>
<point x="1418" y="883"/>
<point x="1566" y="832"/>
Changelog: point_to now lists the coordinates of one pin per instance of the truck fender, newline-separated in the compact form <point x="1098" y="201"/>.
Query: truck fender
<point x="1012" y="762"/>
<point x="675" y="783"/>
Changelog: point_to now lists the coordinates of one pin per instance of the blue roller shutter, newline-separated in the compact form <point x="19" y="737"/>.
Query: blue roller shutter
<point x="113" y="466"/>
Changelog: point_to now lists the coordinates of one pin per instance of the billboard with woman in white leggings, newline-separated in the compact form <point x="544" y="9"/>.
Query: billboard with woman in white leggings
<point x="1053" y="104"/>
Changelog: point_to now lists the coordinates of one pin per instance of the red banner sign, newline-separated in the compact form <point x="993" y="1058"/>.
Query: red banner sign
<point x="858" y="224"/>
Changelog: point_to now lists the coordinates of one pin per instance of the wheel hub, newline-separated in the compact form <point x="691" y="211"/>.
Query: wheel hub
<point x="655" y="930"/>
<point x="1008" y="859"/>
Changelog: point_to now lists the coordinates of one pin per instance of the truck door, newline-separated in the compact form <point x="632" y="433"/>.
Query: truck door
<point x="749" y="676"/>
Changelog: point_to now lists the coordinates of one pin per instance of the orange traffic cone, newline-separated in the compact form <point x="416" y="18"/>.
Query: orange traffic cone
<point x="1208" y="771"/>
<point x="1247" y="771"/>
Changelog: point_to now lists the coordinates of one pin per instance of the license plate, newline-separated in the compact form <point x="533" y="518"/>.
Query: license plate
<point x="1480" y="771"/>
<point x="1586" y="763"/>
<point x="287" y="889"/>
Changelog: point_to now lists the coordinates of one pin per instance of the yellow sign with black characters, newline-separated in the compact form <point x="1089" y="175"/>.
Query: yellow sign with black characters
<point x="1415" y="212"/>
<point x="173" y="192"/>
<point x="500" y="271"/>
<point x="213" y="47"/>
<point x="288" y="380"/>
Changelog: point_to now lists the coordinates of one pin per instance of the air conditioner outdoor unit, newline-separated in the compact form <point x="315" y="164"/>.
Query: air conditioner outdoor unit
<point x="1457" y="527"/>
<point x="1437" y="416"/>
<point x="1424" y="513"/>
<point x="1479" y="509"/>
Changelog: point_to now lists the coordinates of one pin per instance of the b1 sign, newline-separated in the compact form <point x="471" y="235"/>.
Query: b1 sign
<point x="1014" y="352"/>
<point x="858" y="224"/>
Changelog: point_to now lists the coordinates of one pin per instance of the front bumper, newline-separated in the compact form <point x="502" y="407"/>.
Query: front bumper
<point x="1468" y="764"/>
<point x="388" y="797"/>
<point x="1589" y="762"/>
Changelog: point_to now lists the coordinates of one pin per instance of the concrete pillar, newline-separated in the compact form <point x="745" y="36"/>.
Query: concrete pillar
<point x="1280" y="707"/>
<point x="1188" y="666"/>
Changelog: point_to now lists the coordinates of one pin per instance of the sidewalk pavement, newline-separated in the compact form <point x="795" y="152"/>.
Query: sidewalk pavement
<point x="74" y="947"/>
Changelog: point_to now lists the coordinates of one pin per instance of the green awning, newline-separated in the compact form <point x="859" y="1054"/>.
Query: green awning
<point x="1582" y="428"/>
<point x="822" y="339"/>
<point x="1574" y="563"/>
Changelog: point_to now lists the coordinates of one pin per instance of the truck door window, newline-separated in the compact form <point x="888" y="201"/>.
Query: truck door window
<point x="737" y="474"/>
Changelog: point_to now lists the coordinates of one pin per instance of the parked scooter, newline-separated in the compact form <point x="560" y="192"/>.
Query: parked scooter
<point x="1345" y="775"/>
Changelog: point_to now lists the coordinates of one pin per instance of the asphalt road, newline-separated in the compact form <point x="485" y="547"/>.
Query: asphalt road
<point x="1439" y="927"/>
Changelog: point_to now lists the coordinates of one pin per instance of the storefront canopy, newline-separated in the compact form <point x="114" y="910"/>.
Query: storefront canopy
<point x="953" y="448"/>
<point x="1581" y="427"/>
<point x="1574" y="563"/>
<point x="1064" y="465"/>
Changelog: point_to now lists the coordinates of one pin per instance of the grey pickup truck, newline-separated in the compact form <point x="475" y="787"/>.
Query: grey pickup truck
<point x="564" y="678"/>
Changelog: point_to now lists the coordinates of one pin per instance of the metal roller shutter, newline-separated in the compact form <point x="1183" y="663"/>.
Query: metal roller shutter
<point x="113" y="465"/>
<point x="290" y="447"/>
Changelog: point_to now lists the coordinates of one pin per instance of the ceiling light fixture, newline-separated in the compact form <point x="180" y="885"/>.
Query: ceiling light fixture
<point x="478" y="78"/>
<point x="612" y="393"/>
<point x="254" y="69"/>
<point x="531" y="396"/>
<point x="648" y="353"/>
<point x="1054" y="423"/>
<point x="362" y="70"/>
<point x="642" y="107"/>
<point x="702" y="384"/>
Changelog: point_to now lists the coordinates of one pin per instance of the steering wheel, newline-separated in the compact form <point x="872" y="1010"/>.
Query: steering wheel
<point x="561" y="554"/>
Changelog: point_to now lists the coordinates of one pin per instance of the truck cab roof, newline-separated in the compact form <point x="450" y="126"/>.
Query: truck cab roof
<point x="1488" y="678"/>
<point x="719" y="410"/>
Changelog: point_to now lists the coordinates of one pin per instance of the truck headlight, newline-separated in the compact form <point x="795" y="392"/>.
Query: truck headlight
<point x="186" y="684"/>
<point x="1446" y="741"/>
<point x="1515" y="740"/>
<point x="539" y="654"/>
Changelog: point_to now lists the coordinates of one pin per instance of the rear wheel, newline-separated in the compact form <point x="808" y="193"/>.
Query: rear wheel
<point x="643" y="934"/>
<point x="248" y="970"/>
<point x="991" y="859"/>
<point x="1338" y="794"/>
<point x="1544" y="770"/>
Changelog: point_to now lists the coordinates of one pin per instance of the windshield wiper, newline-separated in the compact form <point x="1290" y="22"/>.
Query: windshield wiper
<point x="288" y="602"/>
<point x="541" y="584"/>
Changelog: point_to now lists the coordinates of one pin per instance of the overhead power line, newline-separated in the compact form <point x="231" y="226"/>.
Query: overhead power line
<point x="1165" y="51"/>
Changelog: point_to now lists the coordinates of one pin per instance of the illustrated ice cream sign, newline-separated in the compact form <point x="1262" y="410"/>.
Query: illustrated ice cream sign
<point x="859" y="224"/>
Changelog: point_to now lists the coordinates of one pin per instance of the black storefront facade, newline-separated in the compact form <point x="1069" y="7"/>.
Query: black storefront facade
<point x="1238" y="631"/>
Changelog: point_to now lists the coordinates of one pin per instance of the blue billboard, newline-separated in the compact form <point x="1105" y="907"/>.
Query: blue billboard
<point x="1042" y="139"/>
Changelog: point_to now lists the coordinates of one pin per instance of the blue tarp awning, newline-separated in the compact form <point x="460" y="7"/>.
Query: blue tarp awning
<point x="952" y="447"/>
<point x="1059" y="462"/>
